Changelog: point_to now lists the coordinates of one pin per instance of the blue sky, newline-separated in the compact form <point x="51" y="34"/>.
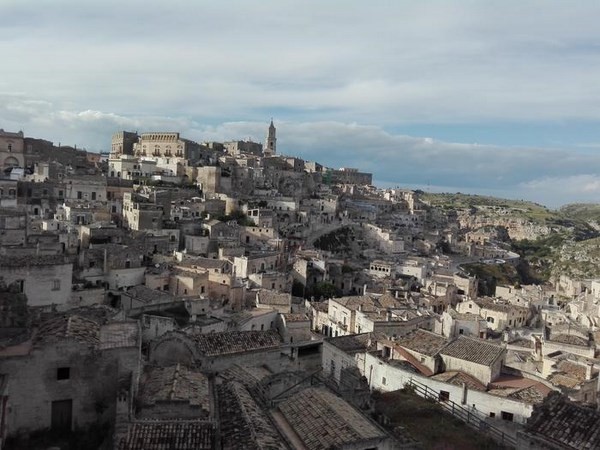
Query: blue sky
<point x="493" y="97"/>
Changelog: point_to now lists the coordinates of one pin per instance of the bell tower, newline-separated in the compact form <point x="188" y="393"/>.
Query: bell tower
<point x="271" y="143"/>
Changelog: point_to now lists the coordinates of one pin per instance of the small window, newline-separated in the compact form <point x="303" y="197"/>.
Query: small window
<point x="508" y="416"/>
<point x="492" y="415"/>
<point x="79" y="195"/>
<point x="444" y="396"/>
<point x="383" y="381"/>
<point x="461" y="331"/>
<point x="93" y="196"/>
<point x="63" y="373"/>
<point x="56" y="285"/>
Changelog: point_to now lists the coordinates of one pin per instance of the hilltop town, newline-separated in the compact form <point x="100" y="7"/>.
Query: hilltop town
<point x="198" y="295"/>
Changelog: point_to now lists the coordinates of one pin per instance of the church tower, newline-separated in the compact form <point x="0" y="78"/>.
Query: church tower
<point x="271" y="143"/>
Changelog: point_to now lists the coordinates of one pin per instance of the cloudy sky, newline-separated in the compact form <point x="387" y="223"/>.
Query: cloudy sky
<point x="498" y="98"/>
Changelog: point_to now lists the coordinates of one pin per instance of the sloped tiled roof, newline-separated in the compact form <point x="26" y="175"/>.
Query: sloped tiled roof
<point x="228" y="342"/>
<point x="459" y="378"/>
<point x="473" y="350"/>
<point x="530" y="394"/>
<point x="353" y="342"/>
<point x="570" y="339"/>
<point x="565" y="424"/>
<point x="119" y="334"/>
<point x="244" y="424"/>
<point x="269" y="297"/>
<point x="174" y="384"/>
<point x="322" y="420"/>
<point x="63" y="327"/>
<point x="423" y="341"/>
<point x="169" y="435"/>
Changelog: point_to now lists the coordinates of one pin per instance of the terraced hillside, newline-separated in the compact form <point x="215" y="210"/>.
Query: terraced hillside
<point x="550" y="242"/>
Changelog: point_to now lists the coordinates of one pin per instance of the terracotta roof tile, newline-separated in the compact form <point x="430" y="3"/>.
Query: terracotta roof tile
<point x="174" y="384"/>
<point x="244" y="424"/>
<point x="474" y="350"/>
<point x="423" y="341"/>
<point x="322" y="420"/>
<point x="62" y="327"/>
<point x="565" y="424"/>
<point x="228" y="342"/>
<point x="168" y="435"/>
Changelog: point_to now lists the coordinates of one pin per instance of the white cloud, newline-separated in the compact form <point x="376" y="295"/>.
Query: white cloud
<point x="399" y="62"/>
<point x="77" y="71"/>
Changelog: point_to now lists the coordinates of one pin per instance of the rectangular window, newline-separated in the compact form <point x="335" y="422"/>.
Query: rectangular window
<point x="383" y="381"/>
<point x="507" y="416"/>
<point x="56" y="285"/>
<point x="93" y="196"/>
<point x="444" y="396"/>
<point x="79" y="195"/>
<point x="63" y="373"/>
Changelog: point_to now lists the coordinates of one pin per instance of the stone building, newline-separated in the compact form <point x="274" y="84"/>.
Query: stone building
<point x="271" y="141"/>
<point x="166" y="145"/>
<point x="141" y="213"/>
<point x="346" y="175"/>
<point x="45" y="280"/>
<point x="68" y="373"/>
<point x="237" y="148"/>
<point x="11" y="149"/>
<point x="122" y="143"/>
<point x="477" y="357"/>
<point x="499" y="315"/>
<point x="217" y="351"/>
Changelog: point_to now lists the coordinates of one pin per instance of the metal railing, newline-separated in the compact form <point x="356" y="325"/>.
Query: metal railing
<point x="464" y="414"/>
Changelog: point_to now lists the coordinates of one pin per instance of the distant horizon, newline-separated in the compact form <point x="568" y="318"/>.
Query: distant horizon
<point x="480" y="97"/>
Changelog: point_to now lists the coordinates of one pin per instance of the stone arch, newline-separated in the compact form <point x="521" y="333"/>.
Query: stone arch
<point x="11" y="161"/>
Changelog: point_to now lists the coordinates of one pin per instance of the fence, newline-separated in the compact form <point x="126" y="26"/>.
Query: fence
<point x="465" y="414"/>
